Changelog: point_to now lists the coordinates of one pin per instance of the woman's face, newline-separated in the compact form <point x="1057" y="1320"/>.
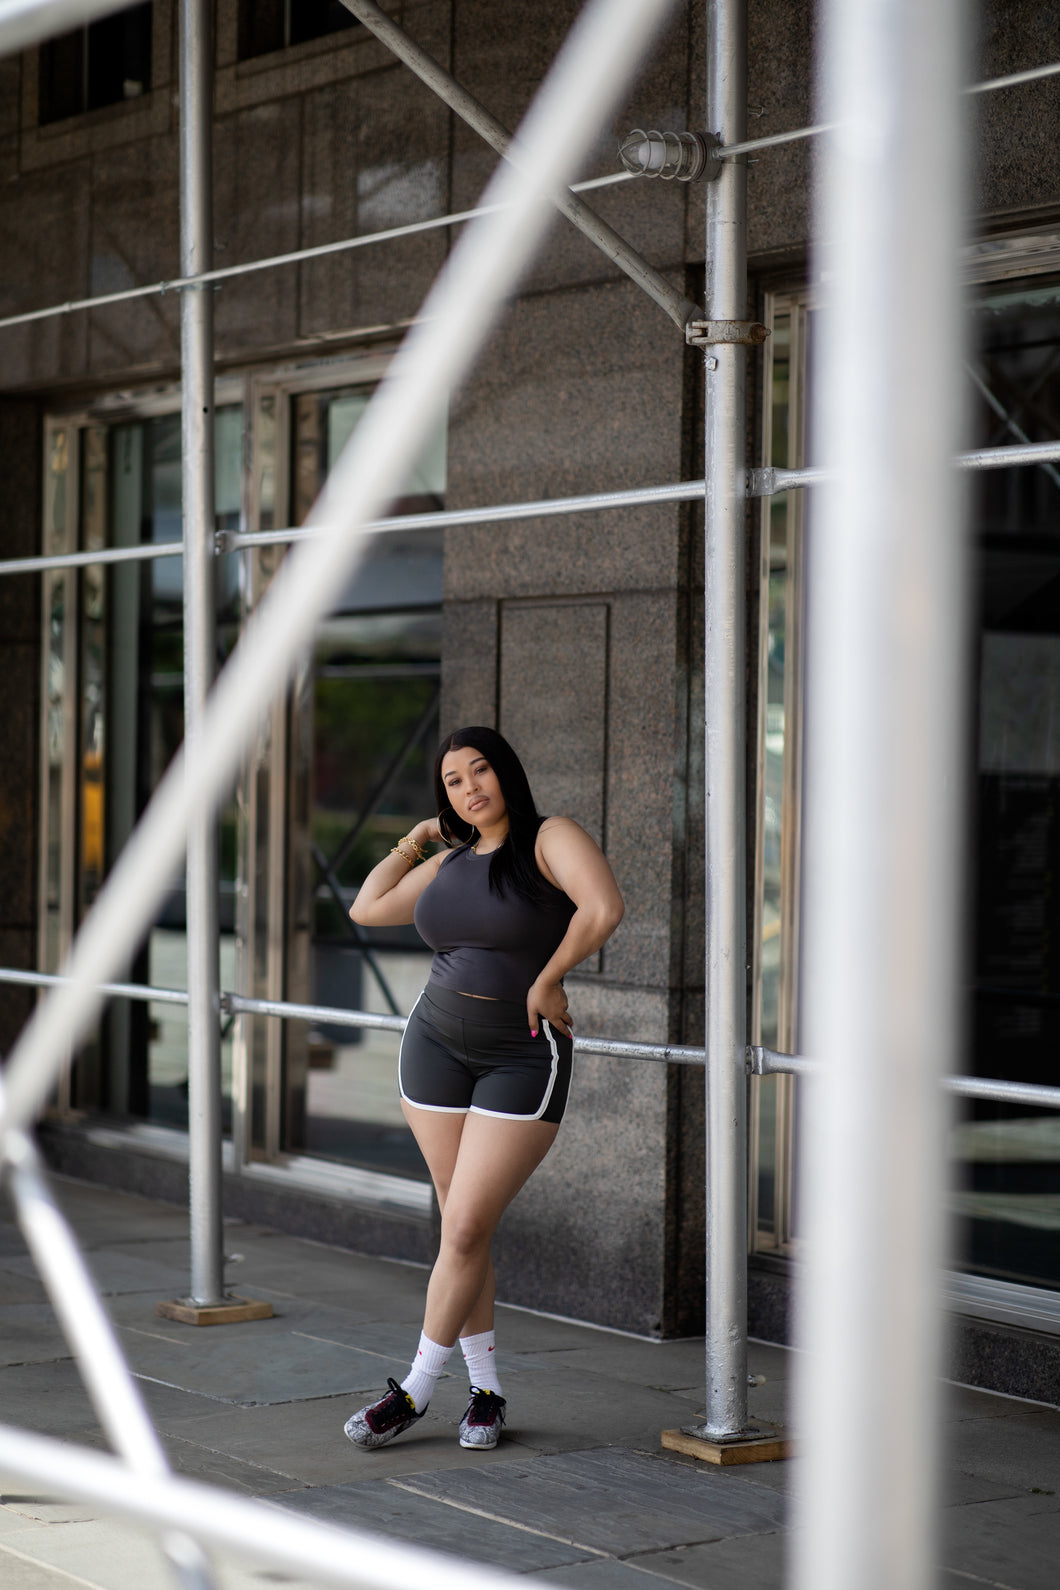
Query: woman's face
<point x="473" y="788"/>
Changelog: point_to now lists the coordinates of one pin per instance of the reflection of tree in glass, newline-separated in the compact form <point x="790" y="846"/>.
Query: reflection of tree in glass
<point x="360" y="725"/>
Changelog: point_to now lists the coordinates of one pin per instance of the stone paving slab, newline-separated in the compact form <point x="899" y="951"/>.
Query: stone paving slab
<point x="387" y="1509"/>
<point x="306" y="1351"/>
<point x="744" y="1562"/>
<point x="615" y="1501"/>
<point x="108" y="1556"/>
<point x="22" y="1511"/>
<point x="116" y="1271"/>
<point x="564" y="1411"/>
<point x="30" y="1334"/>
<point x="665" y="1366"/>
<point x="968" y="1402"/>
<point x="369" y="1285"/>
<point x="51" y="1398"/>
<point x="305" y="1441"/>
<point x="198" y="1461"/>
<point x="261" y="1362"/>
<point x="12" y="1244"/>
<point x="20" y="1288"/>
<point x="1022" y="1451"/>
<point x="533" y="1333"/>
<point x="1014" y="1542"/>
<point x="605" y="1573"/>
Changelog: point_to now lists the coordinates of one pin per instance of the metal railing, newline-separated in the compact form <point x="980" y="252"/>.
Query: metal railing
<point x="760" y="1061"/>
<point x="762" y="482"/>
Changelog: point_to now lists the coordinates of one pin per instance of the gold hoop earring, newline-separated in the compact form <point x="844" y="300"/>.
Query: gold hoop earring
<point x="448" y="839"/>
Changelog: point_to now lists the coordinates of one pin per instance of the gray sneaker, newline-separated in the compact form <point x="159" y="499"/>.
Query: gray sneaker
<point x="383" y="1420"/>
<point x="481" y="1425"/>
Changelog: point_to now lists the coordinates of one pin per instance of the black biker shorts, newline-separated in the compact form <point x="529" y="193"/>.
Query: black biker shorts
<point x="459" y="1053"/>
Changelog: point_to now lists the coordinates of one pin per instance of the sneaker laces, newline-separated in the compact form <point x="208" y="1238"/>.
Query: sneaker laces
<point x="396" y="1404"/>
<point x="484" y="1407"/>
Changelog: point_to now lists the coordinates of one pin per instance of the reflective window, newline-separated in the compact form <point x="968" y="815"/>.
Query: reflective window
<point x="367" y="718"/>
<point x="267" y="25"/>
<point x="104" y="63"/>
<point x="775" y="929"/>
<point x="115" y="717"/>
<point x="340" y="768"/>
<point x="1008" y="1157"/>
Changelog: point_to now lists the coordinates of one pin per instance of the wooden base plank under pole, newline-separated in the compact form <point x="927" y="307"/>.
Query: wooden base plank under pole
<point x="757" y="1445"/>
<point x="233" y="1311"/>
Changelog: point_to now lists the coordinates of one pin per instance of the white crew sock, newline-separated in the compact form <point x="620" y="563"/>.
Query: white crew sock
<point x="426" y="1367"/>
<point x="480" y="1360"/>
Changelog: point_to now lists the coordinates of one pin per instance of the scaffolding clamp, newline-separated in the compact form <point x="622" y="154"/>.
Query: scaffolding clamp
<point x="707" y="333"/>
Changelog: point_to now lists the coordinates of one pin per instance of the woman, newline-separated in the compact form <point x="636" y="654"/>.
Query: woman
<point x="485" y="1060"/>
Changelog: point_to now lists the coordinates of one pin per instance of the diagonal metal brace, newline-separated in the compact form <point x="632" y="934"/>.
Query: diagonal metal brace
<point x="469" y="109"/>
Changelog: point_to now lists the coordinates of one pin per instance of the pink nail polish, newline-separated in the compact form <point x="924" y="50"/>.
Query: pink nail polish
<point x="533" y="1032"/>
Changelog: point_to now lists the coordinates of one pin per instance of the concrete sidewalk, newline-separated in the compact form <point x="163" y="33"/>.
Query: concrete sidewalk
<point x="579" y="1492"/>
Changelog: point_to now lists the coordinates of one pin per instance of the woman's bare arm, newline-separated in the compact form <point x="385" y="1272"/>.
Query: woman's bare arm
<point x="387" y="897"/>
<point x="574" y="862"/>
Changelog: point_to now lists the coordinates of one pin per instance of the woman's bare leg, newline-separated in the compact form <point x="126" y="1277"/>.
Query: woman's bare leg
<point x="438" y="1136"/>
<point x="494" y="1159"/>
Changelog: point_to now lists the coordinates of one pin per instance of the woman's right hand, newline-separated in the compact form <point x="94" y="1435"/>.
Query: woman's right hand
<point x="427" y="832"/>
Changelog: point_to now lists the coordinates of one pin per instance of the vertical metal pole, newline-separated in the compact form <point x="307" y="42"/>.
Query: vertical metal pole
<point x="196" y="342"/>
<point x="883" y="795"/>
<point x="726" y="910"/>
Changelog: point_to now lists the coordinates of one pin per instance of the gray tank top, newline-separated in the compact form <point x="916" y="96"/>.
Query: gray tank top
<point x="485" y="943"/>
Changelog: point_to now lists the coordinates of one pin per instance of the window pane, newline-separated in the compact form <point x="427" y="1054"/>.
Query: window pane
<point x="1008" y="1158"/>
<point x="266" y="25"/>
<point x="119" y="57"/>
<point x="102" y="64"/>
<point x="372" y="699"/>
<point x="142" y="724"/>
<point x="62" y="77"/>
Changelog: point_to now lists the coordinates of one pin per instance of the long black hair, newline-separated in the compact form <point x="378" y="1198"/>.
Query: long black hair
<point x="512" y="864"/>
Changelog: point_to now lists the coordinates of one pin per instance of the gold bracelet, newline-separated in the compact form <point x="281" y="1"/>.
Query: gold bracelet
<point x="394" y="851"/>
<point x="419" y="851"/>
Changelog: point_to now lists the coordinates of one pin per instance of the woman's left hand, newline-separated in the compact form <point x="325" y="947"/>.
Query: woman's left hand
<point x="548" y="1001"/>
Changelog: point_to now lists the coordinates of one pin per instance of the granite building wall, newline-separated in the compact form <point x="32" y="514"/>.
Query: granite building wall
<point x="579" y="637"/>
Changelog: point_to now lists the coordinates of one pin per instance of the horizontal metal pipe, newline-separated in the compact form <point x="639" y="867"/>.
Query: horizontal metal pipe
<point x="546" y="507"/>
<point x="296" y="256"/>
<point x="84" y="560"/>
<point x="767" y="482"/>
<point x="761" y="1062"/>
<point x="767" y="1063"/>
<point x="1009" y="457"/>
<point x="347" y="1559"/>
<point x="140" y="991"/>
<point x="290" y="1010"/>
<point x="749" y="145"/>
<point x="666" y="1054"/>
<point x="1031" y="75"/>
<point x="1037" y="1094"/>
<point x="760" y="483"/>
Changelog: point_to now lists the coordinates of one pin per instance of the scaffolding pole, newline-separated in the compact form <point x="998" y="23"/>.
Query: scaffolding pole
<point x="197" y="471"/>
<point x="724" y="598"/>
<point x="885" y="766"/>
